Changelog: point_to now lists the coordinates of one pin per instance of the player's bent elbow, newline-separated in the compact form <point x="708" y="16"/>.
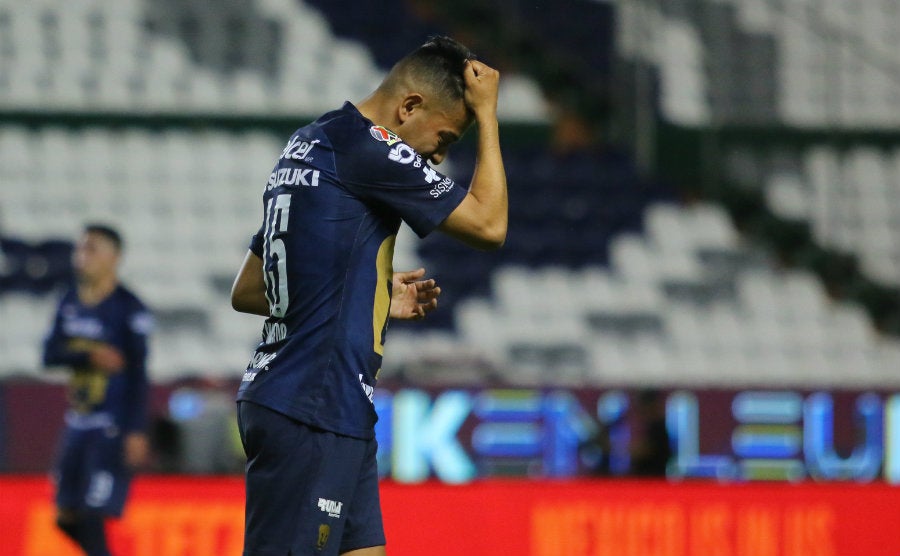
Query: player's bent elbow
<point x="490" y="245"/>
<point x="476" y="229"/>
<point x="251" y="303"/>
<point x="488" y="239"/>
<point x="495" y="240"/>
<point x="240" y="303"/>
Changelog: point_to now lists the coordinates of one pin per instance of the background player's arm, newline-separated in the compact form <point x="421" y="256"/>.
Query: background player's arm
<point x="248" y="293"/>
<point x="106" y="358"/>
<point x="58" y="352"/>
<point x="137" y="444"/>
<point x="481" y="218"/>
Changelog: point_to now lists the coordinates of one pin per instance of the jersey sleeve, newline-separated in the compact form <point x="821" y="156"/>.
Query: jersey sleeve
<point x="256" y="243"/>
<point x="384" y="170"/>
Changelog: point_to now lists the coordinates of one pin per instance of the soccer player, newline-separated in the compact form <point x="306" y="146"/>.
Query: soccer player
<point x="320" y="268"/>
<point x="100" y="335"/>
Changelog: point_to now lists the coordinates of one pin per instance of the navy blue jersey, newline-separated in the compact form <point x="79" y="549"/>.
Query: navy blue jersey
<point x="332" y="209"/>
<point x="96" y="398"/>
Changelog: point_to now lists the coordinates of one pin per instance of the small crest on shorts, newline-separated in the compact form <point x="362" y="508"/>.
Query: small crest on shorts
<point x="324" y="531"/>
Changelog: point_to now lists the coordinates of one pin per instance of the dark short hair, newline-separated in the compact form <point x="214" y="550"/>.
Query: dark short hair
<point x="440" y="63"/>
<point x="106" y="231"/>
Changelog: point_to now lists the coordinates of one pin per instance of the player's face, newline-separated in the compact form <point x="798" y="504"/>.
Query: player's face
<point x="95" y="257"/>
<point x="433" y="129"/>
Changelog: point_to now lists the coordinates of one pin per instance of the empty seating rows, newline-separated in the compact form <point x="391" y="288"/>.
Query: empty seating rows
<point x="684" y="304"/>
<point x="190" y="57"/>
<point x="850" y="198"/>
<point x="823" y="63"/>
<point x="103" y="56"/>
<point x="187" y="203"/>
<point x="681" y="302"/>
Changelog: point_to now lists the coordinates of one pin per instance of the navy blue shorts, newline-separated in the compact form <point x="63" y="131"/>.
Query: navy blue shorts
<point x="91" y="474"/>
<point x="309" y="491"/>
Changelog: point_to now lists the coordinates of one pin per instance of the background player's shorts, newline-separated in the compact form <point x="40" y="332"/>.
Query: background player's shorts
<point x="90" y="474"/>
<point x="309" y="491"/>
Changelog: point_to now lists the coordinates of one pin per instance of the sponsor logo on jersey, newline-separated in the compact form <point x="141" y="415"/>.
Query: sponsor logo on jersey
<point x="369" y="390"/>
<point x="261" y="360"/>
<point x="431" y="174"/>
<point x="332" y="508"/>
<point x="293" y="176"/>
<point x="87" y="327"/>
<point x="274" y="332"/>
<point x="298" y="149"/>
<point x="444" y="186"/>
<point x="249" y="376"/>
<point x="384" y="134"/>
<point x="142" y="323"/>
<point x="404" y="154"/>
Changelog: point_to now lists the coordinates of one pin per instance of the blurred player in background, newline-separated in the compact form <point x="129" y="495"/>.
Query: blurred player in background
<point x="650" y="447"/>
<point x="320" y="268"/>
<point x="100" y="335"/>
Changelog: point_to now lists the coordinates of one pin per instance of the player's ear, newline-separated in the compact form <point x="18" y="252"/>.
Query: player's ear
<point x="410" y="103"/>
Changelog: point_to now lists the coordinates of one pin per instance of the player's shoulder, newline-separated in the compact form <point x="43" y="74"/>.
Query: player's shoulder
<point x="352" y="132"/>
<point x="68" y="294"/>
<point x="130" y="299"/>
<point x="67" y="298"/>
<point x="338" y="123"/>
<point x="379" y="147"/>
<point x="328" y="131"/>
<point x="138" y="316"/>
<point x="366" y="152"/>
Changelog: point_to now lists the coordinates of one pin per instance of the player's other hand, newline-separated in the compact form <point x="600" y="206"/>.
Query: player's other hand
<point x="482" y="87"/>
<point x="412" y="297"/>
<point x="107" y="359"/>
<point x="137" y="450"/>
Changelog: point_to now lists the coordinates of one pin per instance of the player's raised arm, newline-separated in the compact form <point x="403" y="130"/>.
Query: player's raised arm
<point x="248" y="293"/>
<point x="481" y="218"/>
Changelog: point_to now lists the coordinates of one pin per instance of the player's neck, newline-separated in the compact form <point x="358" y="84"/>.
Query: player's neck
<point x="373" y="109"/>
<point x="92" y="292"/>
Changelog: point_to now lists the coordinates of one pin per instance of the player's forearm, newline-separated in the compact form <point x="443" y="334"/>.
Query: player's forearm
<point x="481" y="218"/>
<point x="488" y="185"/>
<point x="136" y="404"/>
<point x="57" y="355"/>
<point x="248" y="293"/>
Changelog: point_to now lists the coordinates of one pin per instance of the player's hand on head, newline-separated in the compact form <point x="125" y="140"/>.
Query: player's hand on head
<point x="482" y="87"/>
<point x="107" y="359"/>
<point x="412" y="297"/>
